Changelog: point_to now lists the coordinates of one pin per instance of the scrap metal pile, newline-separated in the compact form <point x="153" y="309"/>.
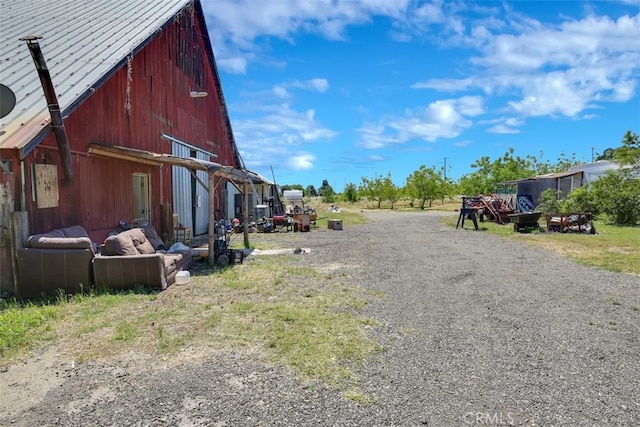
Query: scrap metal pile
<point x="492" y="207"/>
<point x="570" y="223"/>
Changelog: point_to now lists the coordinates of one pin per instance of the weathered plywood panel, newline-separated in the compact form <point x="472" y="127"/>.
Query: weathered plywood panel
<point x="46" y="185"/>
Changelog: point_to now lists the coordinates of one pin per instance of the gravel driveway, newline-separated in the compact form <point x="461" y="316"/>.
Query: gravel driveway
<point x="477" y="331"/>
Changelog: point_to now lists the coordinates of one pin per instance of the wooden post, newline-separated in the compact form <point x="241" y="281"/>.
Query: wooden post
<point x="166" y="223"/>
<point x="19" y="234"/>
<point x="245" y="214"/>
<point x="212" y="217"/>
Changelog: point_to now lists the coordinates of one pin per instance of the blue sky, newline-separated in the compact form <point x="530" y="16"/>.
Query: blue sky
<point x="339" y="90"/>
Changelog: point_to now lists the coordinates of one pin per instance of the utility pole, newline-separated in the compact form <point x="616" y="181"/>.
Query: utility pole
<point x="592" y="154"/>
<point x="445" y="168"/>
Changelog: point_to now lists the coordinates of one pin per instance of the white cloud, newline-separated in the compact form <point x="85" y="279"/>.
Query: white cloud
<point x="373" y="136"/>
<point x="280" y="91"/>
<point x="441" y="119"/>
<point x="276" y="136"/>
<point x="561" y="70"/>
<point x="319" y="85"/>
<point x="239" y="22"/>
<point x="505" y="125"/>
<point x="527" y="67"/>
<point x="445" y="85"/>
<point x="462" y="143"/>
<point x="233" y="65"/>
<point x="470" y="105"/>
<point x="503" y="129"/>
<point x="301" y="162"/>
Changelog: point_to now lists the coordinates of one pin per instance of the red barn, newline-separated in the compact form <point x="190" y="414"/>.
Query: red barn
<point x="137" y="92"/>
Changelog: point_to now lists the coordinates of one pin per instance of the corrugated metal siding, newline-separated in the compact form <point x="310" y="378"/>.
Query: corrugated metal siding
<point x="81" y="42"/>
<point x="182" y="197"/>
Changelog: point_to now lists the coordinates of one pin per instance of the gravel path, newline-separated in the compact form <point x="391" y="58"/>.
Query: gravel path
<point x="477" y="331"/>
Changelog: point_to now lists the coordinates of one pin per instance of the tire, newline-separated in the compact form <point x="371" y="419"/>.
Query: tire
<point x="222" y="261"/>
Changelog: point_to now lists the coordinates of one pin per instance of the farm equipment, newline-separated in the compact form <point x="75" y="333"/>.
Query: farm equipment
<point x="223" y="255"/>
<point x="494" y="208"/>
<point x="525" y="220"/>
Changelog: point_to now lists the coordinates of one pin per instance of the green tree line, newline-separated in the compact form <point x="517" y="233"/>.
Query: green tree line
<point x="615" y="195"/>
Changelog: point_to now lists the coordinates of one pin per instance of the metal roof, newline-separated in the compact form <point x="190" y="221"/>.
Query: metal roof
<point x="83" y="41"/>
<point x="545" y="176"/>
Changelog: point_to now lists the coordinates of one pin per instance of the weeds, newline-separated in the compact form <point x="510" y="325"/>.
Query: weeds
<point x="286" y="312"/>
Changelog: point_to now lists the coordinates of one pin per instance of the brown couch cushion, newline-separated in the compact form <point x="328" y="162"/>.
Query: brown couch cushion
<point x="75" y="237"/>
<point x="50" y="235"/>
<point x="153" y="237"/>
<point x="61" y="243"/>
<point x="144" y="247"/>
<point x="140" y="241"/>
<point x="129" y="242"/>
<point x="120" y="244"/>
<point x="74" y="231"/>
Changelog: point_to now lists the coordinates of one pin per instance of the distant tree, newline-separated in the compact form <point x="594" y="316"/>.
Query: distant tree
<point x="629" y="153"/>
<point x="390" y="191"/>
<point x="606" y="155"/>
<point x="311" y="191"/>
<point x="372" y="189"/>
<point x="351" y="193"/>
<point x="489" y="174"/>
<point x="423" y="185"/>
<point x="326" y="192"/>
<point x="288" y="187"/>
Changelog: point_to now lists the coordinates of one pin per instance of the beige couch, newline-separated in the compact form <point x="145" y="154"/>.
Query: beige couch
<point x="136" y="258"/>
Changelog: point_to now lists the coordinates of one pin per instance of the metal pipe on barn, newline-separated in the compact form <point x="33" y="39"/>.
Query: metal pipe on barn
<point x="57" y="124"/>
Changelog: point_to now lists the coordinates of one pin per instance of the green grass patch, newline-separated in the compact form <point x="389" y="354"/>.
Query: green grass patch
<point x="24" y="327"/>
<point x="613" y="248"/>
<point x="349" y="217"/>
<point x="124" y="331"/>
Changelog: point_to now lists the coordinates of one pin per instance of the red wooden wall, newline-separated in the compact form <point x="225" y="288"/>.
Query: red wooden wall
<point x="147" y="96"/>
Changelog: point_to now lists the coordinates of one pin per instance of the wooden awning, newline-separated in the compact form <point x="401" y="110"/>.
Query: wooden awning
<point x="243" y="177"/>
<point x="149" y="157"/>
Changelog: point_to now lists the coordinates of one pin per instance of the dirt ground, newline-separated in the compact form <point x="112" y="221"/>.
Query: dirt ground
<point x="476" y="331"/>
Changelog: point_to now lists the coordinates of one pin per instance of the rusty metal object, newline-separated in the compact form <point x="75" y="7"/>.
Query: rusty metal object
<point x="525" y="220"/>
<point x="57" y="124"/>
<point x="570" y="223"/>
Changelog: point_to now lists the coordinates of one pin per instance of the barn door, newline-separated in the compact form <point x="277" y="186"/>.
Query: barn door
<point x="141" y="214"/>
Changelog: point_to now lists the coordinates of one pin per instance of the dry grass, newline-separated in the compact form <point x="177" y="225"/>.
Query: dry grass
<point x="272" y="307"/>
<point x="614" y="248"/>
<point x="449" y="205"/>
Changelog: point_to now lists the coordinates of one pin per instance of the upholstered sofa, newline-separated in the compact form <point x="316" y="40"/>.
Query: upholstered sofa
<point x="136" y="258"/>
<point x="60" y="259"/>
